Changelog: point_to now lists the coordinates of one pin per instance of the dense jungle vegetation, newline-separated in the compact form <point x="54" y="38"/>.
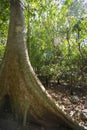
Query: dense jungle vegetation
<point x="56" y="39"/>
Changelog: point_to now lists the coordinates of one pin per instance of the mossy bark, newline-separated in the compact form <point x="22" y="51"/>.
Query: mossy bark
<point x="29" y="99"/>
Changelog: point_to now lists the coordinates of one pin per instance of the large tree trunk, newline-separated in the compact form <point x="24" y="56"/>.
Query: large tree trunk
<point x="28" y="97"/>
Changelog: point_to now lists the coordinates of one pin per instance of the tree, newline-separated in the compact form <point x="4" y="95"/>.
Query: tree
<point x="4" y="13"/>
<point x="28" y="98"/>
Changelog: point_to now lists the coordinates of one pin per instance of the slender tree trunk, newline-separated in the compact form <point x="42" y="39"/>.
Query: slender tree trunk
<point x="28" y="97"/>
<point x="28" y="32"/>
<point x="69" y="58"/>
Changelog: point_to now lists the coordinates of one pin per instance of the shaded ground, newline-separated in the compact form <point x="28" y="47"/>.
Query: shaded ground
<point x="73" y="103"/>
<point x="13" y="125"/>
<point x="8" y="123"/>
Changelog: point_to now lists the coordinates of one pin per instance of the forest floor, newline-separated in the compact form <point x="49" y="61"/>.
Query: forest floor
<point x="73" y="103"/>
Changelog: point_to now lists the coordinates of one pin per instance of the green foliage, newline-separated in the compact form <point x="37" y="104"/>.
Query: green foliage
<point x="4" y="19"/>
<point x="56" y="38"/>
<point x="2" y="50"/>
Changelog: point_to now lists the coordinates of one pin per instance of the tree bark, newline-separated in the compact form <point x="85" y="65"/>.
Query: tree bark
<point x="29" y="99"/>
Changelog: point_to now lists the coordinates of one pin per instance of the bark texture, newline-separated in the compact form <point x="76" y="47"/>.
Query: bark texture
<point x="29" y="99"/>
